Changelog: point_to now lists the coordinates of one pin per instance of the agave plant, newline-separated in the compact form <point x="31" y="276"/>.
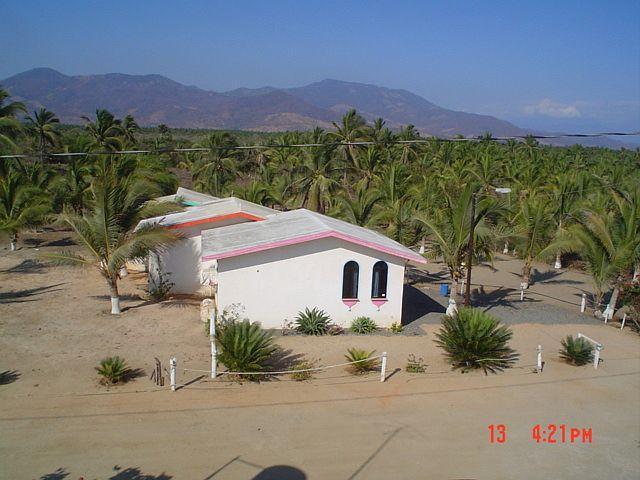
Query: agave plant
<point x="364" y="361"/>
<point x="245" y="347"/>
<point x="113" y="370"/>
<point x="474" y="339"/>
<point x="576" y="351"/>
<point x="363" y="325"/>
<point x="312" y="322"/>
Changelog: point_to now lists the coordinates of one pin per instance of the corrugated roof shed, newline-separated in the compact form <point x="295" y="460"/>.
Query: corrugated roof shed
<point x="296" y="226"/>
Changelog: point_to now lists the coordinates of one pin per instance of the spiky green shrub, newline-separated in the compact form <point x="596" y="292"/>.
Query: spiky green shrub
<point x="301" y="374"/>
<point x="312" y="322"/>
<point x="365" y="364"/>
<point x="244" y="347"/>
<point x="576" y="351"/>
<point x="363" y="325"/>
<point x="113" y="370"/>
<point x="474" y="339"/>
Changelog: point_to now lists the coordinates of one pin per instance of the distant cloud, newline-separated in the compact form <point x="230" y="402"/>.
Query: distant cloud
<point x="548" y="108"/>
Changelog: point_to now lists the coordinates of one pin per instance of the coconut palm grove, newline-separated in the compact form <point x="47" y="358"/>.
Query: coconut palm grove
<point x="573" y="205"/>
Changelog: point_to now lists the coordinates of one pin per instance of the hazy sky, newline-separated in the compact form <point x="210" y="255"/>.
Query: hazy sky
<point x="559" y="65"/>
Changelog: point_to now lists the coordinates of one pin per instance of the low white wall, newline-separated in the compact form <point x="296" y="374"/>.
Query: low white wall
<point x="276" y="284"/>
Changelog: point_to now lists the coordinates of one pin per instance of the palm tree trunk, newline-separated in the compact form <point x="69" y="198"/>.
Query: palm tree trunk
<point x="636" y="273"/>
<point x="505" y="250"/>
<point x="611" y="306"/>
<point x="115" y="297"/>
<point x="526" y="273"/>
<point x="14" y="241"/>
<point x="422" y="242"/>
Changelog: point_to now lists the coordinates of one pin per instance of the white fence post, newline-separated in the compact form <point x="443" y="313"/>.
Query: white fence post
<point x="539" y="359"/>
<point x="583" y="303"/>
<point x="173" y="363"/>
<point x="596" y="357"/>
<point x="383" y="370"/>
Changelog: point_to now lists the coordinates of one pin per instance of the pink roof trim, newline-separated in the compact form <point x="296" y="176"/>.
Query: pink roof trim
<point x="316" y="236"/>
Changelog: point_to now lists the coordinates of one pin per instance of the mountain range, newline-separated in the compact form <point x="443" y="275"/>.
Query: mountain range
<point x="154" y="99"/>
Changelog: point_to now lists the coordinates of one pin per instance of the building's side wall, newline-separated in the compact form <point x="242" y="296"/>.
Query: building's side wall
<point x="181" y="263"/>
<point x="274" y="285"/>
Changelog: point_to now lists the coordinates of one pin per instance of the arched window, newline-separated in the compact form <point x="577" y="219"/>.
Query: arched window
<point x="350" y="280"/>
<point x="379" y="280"/>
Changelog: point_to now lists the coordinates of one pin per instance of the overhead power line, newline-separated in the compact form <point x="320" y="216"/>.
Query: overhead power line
<point x="328" y="144"/>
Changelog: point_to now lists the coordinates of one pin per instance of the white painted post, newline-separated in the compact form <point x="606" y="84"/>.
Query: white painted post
<point x="596" y="357"/>
<point x="583" y="303"/>
<point x="539" y="359"/>
<point x="173" y="363"/>
<point x="383" y="370"/>
<point x="624" y="319"/>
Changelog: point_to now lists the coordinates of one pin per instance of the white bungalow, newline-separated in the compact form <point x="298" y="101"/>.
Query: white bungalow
<point x="277" y="263"/>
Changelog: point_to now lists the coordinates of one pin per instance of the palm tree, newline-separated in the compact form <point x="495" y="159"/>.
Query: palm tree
<point x="608" y="242"/>
<point x="106" y="131"/>
<point x="9" y="125"/>
<point x="129" y="130"/>
<point x="316" y="178"/>
<point x="359" y="209"/>
<point x="351" y="129"/>
<point x="110" y="233"/>
<point x="43" y="126"/>
<point x="213" y="171"/>
<point x="533" y="232"/>
<point x="447" y="229"/>
<point x="21" y="205"/>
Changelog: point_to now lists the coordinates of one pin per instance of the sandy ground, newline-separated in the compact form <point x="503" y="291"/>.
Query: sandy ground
<point x="57" y="422"/>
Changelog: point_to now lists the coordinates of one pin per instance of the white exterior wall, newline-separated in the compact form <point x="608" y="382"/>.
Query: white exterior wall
<point x="181" y="263"/>
<point x="274" y="285"/>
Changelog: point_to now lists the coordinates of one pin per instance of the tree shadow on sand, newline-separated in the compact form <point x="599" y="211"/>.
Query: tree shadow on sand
<point x="58" y="474"/>
<point x="27" y="266"/>
<point x="9" y="376"/>
<point x="135" y="473"/>
<point x="20" y="296"/>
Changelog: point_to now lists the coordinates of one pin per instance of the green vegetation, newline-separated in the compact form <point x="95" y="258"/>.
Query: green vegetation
<point x="474" y="339"/>
<point x="396" y="327"/>
<point x="563" y="200"/>
<point x="415" y="365"/>
<point x="113" y="370"/>
<point x="364" y="363"/>
<point x="244" y="346"/>
<point x="363" y="325"/>
<point x="576" y="351"/>
<point x="300" y="375"/>
<point x="313" y="322"/>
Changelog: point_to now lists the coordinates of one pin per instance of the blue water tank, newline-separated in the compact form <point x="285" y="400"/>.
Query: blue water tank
<point x="444" y="289"/>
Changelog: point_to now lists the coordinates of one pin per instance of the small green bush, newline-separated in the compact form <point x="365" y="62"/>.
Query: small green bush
<point x="396" y="327"/>
<point x="415" y="365"/>
<point x="474" y="339"/>
<point x="303" y="365"/>
<point x="113" y="370"/>
<point x="363" y="325"/>
<point x="364" y="364"/>
<point x="576" y="351"/>
<point x="312" y="322"/>
<point x="245" y="347"/>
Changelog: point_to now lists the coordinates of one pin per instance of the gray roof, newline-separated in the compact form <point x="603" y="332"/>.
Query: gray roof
<point x="296" y="226"/>
<point x="211" y="210"/>
<point x="188" y="196"/>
